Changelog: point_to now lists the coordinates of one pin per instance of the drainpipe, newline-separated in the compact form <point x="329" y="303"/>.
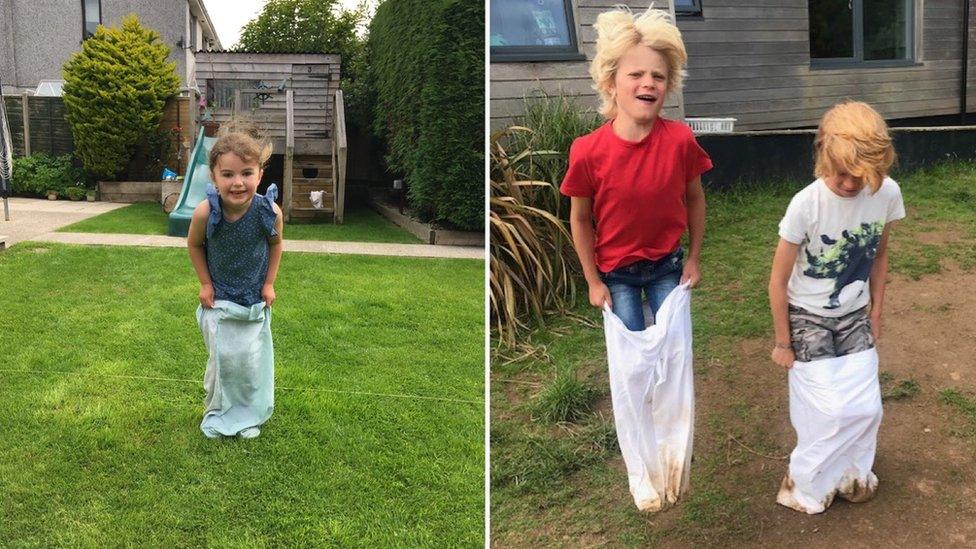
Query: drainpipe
<point x="965" y="62"/>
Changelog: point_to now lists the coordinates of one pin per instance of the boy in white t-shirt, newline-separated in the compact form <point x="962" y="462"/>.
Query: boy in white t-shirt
<point x="832" y="257"/>
<point x="830" y="266"/>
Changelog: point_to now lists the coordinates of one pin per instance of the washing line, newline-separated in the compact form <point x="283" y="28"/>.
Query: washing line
<point x="197" y="381"/>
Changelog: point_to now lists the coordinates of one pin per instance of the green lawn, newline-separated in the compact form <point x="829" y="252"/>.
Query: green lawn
<point x="102" y="397"/>
<point x="361" y="224"/>
<point x="552" y="482"/>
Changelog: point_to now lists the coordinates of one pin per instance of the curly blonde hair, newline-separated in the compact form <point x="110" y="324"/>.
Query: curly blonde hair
<point x="242" y="138"/>
<point x="619" y="30"/>
<point x="853" y="138"/>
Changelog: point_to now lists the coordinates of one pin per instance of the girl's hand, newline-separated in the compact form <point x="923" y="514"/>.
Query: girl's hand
<point x="207" y="296"/>
<point x="691" y="273"/>
<point x="268" y="294"/>
<point x="783" y="357"/>
<point x="600" y="294"/>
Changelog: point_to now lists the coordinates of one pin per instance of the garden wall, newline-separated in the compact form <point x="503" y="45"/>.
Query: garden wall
<point x="774" y="156"/>
<point x="129" y="191"/>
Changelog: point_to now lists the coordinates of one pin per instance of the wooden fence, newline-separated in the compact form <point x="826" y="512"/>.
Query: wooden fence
<point x="41" y="120"/>
<point x="37" y="125"/>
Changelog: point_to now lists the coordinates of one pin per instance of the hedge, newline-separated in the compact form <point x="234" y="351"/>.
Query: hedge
<point x="427" y="70"/>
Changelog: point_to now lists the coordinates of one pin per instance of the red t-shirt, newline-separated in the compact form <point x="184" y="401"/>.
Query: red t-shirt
<point x="638" y="189"/>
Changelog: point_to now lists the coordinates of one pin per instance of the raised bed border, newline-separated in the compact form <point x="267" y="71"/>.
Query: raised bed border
<point x="424" y="231"/>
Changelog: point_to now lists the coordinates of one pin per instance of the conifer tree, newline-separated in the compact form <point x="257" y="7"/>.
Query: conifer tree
<point x="114" y="92"/>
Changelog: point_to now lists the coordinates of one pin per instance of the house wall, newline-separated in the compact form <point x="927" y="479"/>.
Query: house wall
<point x="37" y="38"/>
<point x="750" y="59"/>
<point x="43" y="35"/>
<point x="191" y="44"/>
<point x="788" y="154"/>
<point x="313" y="77"/>
<point x="511" y="82"/>
<point x="8" y="67"/>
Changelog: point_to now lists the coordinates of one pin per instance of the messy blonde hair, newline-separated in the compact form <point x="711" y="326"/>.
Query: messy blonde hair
<point x="619" y="30"/>
<point x="853" y="138"/>
<point x="243" y="138"/>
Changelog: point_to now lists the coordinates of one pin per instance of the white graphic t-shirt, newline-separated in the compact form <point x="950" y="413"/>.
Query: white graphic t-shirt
<point x="838" y="240"/>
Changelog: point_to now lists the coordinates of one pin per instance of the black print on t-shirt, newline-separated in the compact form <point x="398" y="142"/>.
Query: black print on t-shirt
<point x="847" y="260"/>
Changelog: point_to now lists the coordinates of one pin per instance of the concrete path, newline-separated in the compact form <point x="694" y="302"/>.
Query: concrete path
<point x="32" y="219"/>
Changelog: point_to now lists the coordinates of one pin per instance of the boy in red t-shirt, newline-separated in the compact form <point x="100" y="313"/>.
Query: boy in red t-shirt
<point x="637" y="177"/>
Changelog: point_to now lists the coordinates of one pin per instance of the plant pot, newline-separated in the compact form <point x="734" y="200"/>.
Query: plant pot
<point x="90" y="196"/>
<point x="52" y="195"/>
<point x="210" y="128"/>
<point x="170" y="194"/>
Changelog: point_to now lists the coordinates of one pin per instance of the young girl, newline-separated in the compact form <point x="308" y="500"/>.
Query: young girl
<point x="235" y="246"/>
<point x="829" y="270"/>
<point x="637" y="177"/>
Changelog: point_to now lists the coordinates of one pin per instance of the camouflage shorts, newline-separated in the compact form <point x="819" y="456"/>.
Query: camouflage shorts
<point x="815" y="337"/>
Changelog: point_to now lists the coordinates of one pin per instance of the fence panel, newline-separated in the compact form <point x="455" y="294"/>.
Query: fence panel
<point x="50" y="133"/>
<point x="15" y="120"/>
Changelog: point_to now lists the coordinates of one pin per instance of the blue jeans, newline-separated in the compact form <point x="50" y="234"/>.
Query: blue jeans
<point x="655" y="279"/>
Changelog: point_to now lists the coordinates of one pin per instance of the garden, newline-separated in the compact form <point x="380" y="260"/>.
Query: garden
<point x="557" y="476"/>
<point x="377" y="438"/>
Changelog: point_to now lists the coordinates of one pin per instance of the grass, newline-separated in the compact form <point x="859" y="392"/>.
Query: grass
<point x="102" y="397"/>
<point x="566" y="399"/>
<point x="361" y="224"/>
<point x="547" y="487"/>
<point x="905" y="388"/>
<point x="963" y="404"/>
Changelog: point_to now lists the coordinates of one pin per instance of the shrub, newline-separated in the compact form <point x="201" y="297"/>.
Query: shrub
<point x="34" y="175"/>
<point x="75" y="193"/>
<point x="533" y="263"/>
<point x="115" y="91"/>
<point x="555" y="120"/>
<point x="427" y="66"/>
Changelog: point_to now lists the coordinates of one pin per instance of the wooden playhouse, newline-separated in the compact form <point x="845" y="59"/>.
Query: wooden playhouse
<point x="295" y="99"/>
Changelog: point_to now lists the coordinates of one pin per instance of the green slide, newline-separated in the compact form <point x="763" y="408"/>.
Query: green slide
<point x="194" y="186"/>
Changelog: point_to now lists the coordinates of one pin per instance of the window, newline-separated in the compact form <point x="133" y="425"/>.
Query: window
<point x="869" y="32"/>
<point x="532" y="30"/>
<point x="687" y="7"/>
<point x="221" y="93"/>
<point x="91" y="14"/>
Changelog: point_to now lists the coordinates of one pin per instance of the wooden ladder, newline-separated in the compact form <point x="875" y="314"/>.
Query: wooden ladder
<point x="306" y="173"/>
<point x="311" y="173"/>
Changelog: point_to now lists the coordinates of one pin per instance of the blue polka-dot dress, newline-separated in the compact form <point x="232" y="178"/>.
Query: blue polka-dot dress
<point x="239" y="379"/>
<point x="237" y="252"/>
